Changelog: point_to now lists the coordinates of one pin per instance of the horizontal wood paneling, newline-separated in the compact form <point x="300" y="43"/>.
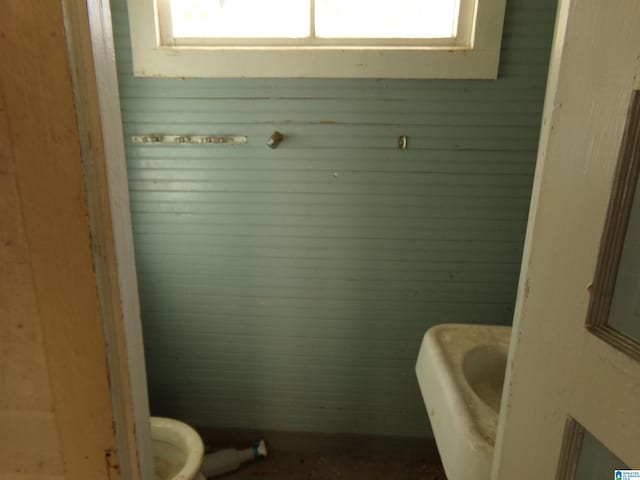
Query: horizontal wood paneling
<point x="289" y="289"/>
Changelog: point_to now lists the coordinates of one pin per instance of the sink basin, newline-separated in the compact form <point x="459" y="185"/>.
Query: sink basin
<point x="460" y="371"/>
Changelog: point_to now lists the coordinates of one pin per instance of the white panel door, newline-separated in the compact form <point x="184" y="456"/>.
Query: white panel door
<point x="561" y="377"/>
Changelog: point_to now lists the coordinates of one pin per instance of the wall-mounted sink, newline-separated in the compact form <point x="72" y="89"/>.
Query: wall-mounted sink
<point x="460" y="370"/>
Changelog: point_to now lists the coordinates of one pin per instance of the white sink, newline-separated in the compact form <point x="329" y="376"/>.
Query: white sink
<point x="460" y="370"/>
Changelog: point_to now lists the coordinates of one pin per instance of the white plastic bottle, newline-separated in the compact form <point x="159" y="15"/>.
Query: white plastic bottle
<point x="229" y="459"/>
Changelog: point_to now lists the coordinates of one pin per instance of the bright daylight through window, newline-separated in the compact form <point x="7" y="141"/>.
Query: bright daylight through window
<point x="314" y="19"/>
<point x="317" y="38"/>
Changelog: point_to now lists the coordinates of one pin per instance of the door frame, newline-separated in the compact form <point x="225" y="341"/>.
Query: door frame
<point x="90" y="46"/>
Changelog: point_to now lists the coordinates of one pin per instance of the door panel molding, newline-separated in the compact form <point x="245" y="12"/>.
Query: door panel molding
<point x="613" y="238"/>
<point x="571" y="448"/>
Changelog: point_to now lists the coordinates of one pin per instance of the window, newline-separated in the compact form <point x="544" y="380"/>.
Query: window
<point x="209" y="21"/>
<point x="317" y="38"/>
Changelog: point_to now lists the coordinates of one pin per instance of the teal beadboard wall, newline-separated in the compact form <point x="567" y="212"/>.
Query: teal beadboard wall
<point x="289" y="289"/>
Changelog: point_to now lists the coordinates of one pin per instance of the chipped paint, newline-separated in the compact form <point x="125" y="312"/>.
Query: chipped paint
<point x="191" y="139"/>
<point x="111" y="460"/>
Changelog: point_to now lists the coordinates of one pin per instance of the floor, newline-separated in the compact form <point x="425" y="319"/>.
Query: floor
<point x="331" y="466"/>
<point x="322" y="456"/>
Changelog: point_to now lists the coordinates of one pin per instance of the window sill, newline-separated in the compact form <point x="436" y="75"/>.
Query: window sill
<point x="317" y="63"/>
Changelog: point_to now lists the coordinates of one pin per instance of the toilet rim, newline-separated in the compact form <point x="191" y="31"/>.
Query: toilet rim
<point x="182" y="436"/>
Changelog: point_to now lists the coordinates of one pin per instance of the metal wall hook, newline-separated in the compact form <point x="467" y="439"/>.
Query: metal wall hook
<point x="274" y="140"/>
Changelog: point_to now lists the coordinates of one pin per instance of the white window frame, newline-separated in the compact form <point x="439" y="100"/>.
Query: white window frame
<point x="473" y="53"/>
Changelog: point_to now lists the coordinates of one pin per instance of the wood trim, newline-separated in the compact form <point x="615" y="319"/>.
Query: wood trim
<point x="118" y="186"/>
<point x="570" y="452"/>
<point x="627" y="345"/>
<point x="91" y="48"/>
<point x="102" y="244"/>
<point x="613" y="238"/>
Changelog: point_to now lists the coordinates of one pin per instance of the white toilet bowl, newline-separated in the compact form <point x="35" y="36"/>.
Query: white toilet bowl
<point x="177" y="450"/>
